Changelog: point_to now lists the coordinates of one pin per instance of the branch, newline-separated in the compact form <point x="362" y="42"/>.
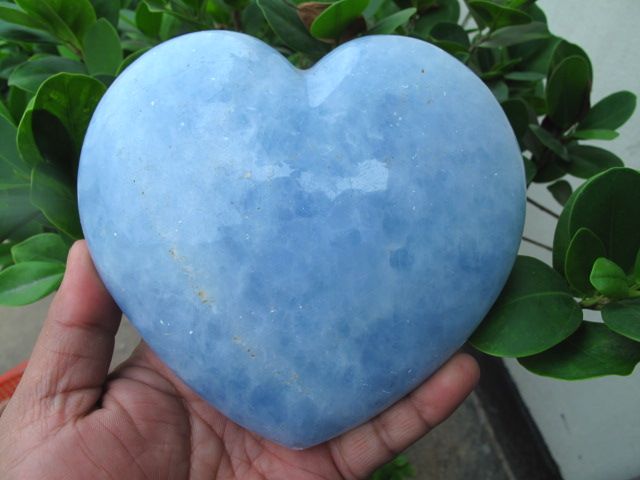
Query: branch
<point x="537" y="243"/>
<point x="465" y="22"/>
<point x="237" y="20"/>
<point x="543" y="208"/>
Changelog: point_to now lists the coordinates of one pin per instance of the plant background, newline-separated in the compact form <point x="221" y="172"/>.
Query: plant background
<point x="592" y="428"/>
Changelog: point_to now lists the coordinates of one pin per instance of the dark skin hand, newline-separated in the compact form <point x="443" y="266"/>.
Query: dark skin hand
<point x="70" y="419"/>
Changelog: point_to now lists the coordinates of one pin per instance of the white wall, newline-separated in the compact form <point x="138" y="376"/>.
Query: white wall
<point x="591" y="427"/>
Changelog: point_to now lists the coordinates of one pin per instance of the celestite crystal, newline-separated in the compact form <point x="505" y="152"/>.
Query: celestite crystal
<point x="303" y="248"/>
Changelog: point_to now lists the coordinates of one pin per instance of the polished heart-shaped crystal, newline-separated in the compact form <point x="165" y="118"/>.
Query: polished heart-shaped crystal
<point x="302" y="248"/>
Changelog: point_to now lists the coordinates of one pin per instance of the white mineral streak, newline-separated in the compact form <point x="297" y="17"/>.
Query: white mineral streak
<point x="370" y="176"/>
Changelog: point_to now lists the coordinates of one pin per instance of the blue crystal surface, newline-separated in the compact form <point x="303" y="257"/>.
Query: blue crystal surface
<point x="302" y="248"/>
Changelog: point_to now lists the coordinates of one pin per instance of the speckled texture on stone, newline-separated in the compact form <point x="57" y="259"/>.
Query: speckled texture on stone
<point x="302" y="248"/>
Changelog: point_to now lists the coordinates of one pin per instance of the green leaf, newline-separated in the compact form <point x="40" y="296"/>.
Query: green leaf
<point x="45" y="247"/>
<point x="53" y="141"/>
<point x="71" y="98"/>
<point x="385" y="8"/>
<point x="27" y="282"/>
<point x="530" y="7"/>
<point x="283" y="18"/>
<point x="609" y="279"/>
<point x="109" y="9"/>
<point x="12" y="14"/>
<point x="4" y="112"/>
<point x="609" y="205"/>
<point x="10" y="58"/>
<point x="517" y="112"/>
<point x="595" y="134"/>
<point x="636" y="267"/>
<point x="102" y="49"/>
<point x="491" y="66"/>
<point x="30" y="75"/>
<point x="514" y="3"/>
<point x="335" y="19"/>
<point x="26" y="143"/>
<point x="442" y="11"/>
<point x="5" y="255"/>
<point x="534" y="312"/>
<point x="568" y="91"/>
<point x="549" y="141"/>
<point x="610" y="113"/>
<point x="593" y="351"/>
<point x="451" y="32"/>
<point x="391" y="23"/>
<point x="561" y="191"/>
<point x="17" y="102"/>
<point x="563" y="233"/>
<point x="147" y="21"/>
<point x="500" y="90"/>
<point x="584" y="249"/>
<point x="564" y="50"/>
<point x="623" y="317"/>
<point x="536" y="54"/>
<point x="173" y="26"/>
<point x="32" y="227"/>
<point x="54" y="194"/>
<point x="8" y="148"/>
<point x="253" y="21"/>
<point x="497" y="16"/>
<point x="68" y="20"/>
<point x="66" y="52"/>
<point x="9" y="178"/>
<point x="17" y="33"/>
<point x="550" y="172"/>
<point x="530" y="170"/>
<point x="372" y="9"/>
<point x="587" y="161"/>
<point x="515" y="35"/>
<point x="181" y="12"/>
<point x="158" y="5"/>
<point x="525" y="76"/>
<point x="16" y="211"/>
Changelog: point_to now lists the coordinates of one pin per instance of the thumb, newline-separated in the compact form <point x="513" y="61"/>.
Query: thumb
<point x="71" y="358"/>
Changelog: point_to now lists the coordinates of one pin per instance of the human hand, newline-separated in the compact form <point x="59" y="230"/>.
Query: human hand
<point x="69" y="419"/>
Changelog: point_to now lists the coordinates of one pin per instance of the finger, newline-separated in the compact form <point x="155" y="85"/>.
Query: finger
<point x="358" y="452"/>
<point x="70" y="360"/>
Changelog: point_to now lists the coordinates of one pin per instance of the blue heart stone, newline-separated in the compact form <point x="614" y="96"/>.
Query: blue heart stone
<point x="303" y="248"/>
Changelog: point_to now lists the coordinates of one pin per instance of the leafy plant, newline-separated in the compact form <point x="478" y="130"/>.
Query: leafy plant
<point x="58" y="57"/>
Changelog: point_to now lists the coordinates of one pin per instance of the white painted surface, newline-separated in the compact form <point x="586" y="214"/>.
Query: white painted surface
<point x="591" y="427"/>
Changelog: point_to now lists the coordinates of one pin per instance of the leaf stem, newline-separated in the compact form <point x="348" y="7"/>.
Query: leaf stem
<point x="465" y="22"/>
<point x="237" y="20"/>
<point x="634" y="291"/>
<point x="542" y="207"/>
<point x="477" y="40"/>
<point x="594" y="303"/>
<point x="537" y="243"/>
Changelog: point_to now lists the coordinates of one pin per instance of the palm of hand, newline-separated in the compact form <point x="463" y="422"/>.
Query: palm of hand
<point x="69" y="420"/>
<point x="145" y="428"/>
